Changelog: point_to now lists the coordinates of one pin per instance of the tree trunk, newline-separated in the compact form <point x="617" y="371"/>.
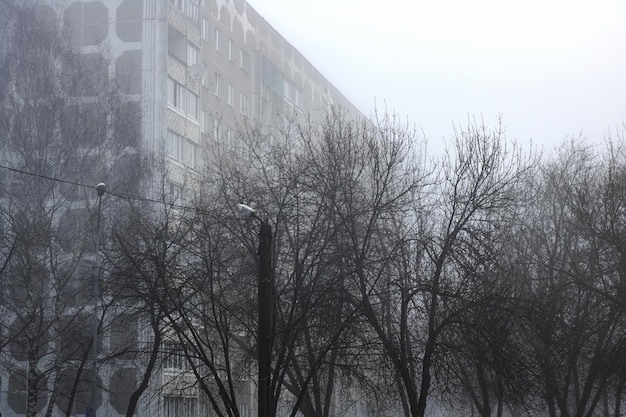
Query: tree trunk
<point x="154" y="355"/>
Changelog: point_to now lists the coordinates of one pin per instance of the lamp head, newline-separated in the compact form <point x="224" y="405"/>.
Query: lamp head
<point x="246" y="211"/>
<point x="101" y="188"/>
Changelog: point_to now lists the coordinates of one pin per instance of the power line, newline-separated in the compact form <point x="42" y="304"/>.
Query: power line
<point x="44" y="177"/>
<point x="78" y="184"/>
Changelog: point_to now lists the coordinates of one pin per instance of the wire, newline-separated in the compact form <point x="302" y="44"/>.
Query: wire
<point x="44" y="176"/>
<point x="78" y="184"/>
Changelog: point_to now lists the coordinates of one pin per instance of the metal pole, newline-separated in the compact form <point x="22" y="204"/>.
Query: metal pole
<point x="266" y="304"/>
<point x="91" y="409"/>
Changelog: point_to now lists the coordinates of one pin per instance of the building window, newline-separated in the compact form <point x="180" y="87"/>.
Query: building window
<point x="244" y="57"/>
<point x="297" y="98"/>
<point x="244" y="410"/>
<point x="175" y="145"/>
<point x="218" y="40"/>
<point x="291" y="92"/>
<point x="192" y="10"/>
<point x="231" y="50"/>
<point x="243" y="104"/>
<point x="175" y="94"/>
<point x="186" y="151"/>
<point x="204" y="126"/>
<point x="175" y="192"/>
<point x="174" y="356"/>
<point x="205" y="29"/>
<point x="181" y="98"/>
<point x="177" y="406"/>
<point x="231" y="94"/>
<point x="191" y="155"/>
<point x="216" y="87"/>
<point x="193" y="54"/>
<point x="216" y="130"/>
<point x="192" y="105"/>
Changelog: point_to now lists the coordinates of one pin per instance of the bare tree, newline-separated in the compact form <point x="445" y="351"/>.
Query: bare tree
<point x="484" y="366"/>
<point x="308" y="320"/>
<point x="318" y="341"/>
<point x="573" y="318"/>
<point x="445" y="224"/>
<point x="146" y="255"/>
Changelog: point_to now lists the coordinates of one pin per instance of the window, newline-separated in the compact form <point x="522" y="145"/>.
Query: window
<point x="204" y="126"/>
<point x="245" y="60"/>
<point x="177" y="406"/>
<point x="175" y="192"/>
<point x="297" y="97"/>
<point x="205" y="29"/>
<point x="190" y="154"/>
<point x="192" y="105"/>
<point x="175" y="145"/>
<point x="193" y="53"/>
<point x="231" y="94"/>
<point x="192" y="10"/>
<point x="216" y="130"/>
<point x="218" y="40"/>
<point x="244" y="410"/>
<point x="216" y="87"/>
<point x="175" y="94"/>
<point x="181" y="98"/>
<point x="291" y="92"/>
<point x="183" y="150"/>
<point x="229" y="138"/>
<point x="243" y="104"/>
<point x="231" y="50"/>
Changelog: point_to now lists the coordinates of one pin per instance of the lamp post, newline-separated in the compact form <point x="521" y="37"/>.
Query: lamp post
<point x="91" y="409"/>
<point x="265" y="294"/>
<point x="265" y="290"/>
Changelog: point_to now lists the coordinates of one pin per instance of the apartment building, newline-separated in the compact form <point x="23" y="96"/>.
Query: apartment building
<point x="196" y="70"/>
<point x="190" y="73"/>
<point x="200" y="68"/>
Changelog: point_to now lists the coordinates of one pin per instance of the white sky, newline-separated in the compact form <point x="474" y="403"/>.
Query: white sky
<point x="552" y="68"/>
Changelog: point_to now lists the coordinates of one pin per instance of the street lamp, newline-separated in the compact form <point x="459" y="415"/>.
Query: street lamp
<point x="265" y="307"/>
<point x="91" y="409"/>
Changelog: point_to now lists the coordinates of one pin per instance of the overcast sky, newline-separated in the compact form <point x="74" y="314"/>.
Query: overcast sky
<point x="552" y="68"/>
